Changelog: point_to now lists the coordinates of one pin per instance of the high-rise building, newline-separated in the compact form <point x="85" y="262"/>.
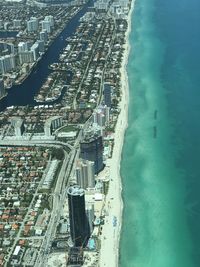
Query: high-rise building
<point x="35" y="19"/>
<point x="44" y="36"/>
<point x="12" y="48"/>
<point x="91" y="148"/>
<point x="51" y="124"/>
<point x="29" y="44"/>
<point x="90" y="174"/>
<point x="85" y="174"/>
<point x="101" y="5"/>
<point x="101" y="115"/>
<point x="35" y="50"/>
<point x="90" y="215"/>
<point x="41" y="46"/>
<point x="2" y="89"/>
<point x="50" y="19"/>
<point x="18" y="124"/>
<point x="32" y="24"/>
<point x="22" y="47"/>
<point x="99" y="118"/>
<point x="107" y="95"/>
<point x="107" y="113"/>
<point x="26" y="57"/>
<point x="119" y="8"/>
<point x="7" y="63"/>
<point x="46" y="25"/>
<point x="79" y="226"/>
<point x="7" y="48"/>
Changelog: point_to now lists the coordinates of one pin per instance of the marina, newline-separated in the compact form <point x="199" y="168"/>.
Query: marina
<point x="24" y="93"/>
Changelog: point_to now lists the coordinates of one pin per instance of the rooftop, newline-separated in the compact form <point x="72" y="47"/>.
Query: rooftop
<point x="75" y="191"/>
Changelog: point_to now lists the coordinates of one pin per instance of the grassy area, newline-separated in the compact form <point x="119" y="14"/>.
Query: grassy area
<point x="68" y="128"/>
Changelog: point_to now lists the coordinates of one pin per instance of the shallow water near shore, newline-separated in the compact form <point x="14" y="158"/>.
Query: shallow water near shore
<point x="160" y="161"/>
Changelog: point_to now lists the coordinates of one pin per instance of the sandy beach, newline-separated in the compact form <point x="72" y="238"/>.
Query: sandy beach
<point x="110" y="238"/>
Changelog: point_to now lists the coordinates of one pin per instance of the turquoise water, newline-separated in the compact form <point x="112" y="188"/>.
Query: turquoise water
<point x="160" y="161"/>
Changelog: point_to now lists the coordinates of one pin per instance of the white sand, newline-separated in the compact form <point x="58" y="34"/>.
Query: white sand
<point x="109" y="252"/>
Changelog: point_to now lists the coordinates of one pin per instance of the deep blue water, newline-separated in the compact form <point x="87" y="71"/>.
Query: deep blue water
<point x="4" y="34"/>
<point x="179" y="29"/>
<point x="161" y="171"/>
<point x="24" y="94"/>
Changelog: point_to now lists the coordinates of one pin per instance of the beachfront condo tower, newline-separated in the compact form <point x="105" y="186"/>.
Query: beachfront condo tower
<point x="91" y="148"/>
<point x="79" y="226"/>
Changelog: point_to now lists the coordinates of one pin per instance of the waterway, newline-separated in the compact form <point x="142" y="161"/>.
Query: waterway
<point x="8" y="34"/>
<point x="160" y="168"/>
<point x="23" y="94"/>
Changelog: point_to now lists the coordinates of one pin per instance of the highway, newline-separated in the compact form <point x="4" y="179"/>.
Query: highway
<point x="59" y="194"/>
<point x="34" y="143"/>
<point x="59" y="197"/>
<point x="55" y="213"/>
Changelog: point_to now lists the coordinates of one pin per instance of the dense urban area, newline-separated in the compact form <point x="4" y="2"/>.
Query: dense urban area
<point x="55" y="151"/>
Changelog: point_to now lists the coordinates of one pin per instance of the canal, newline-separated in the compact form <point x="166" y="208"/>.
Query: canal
<point x="8" y="34"/>
<point x="23" y="94"/>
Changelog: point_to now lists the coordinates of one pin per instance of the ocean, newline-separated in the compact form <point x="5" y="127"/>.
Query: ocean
<point x="160" y="165"/>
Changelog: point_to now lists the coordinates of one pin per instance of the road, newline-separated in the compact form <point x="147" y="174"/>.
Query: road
<point x="87" y="67"/>
<point x="23" y="223"/>
<point x="100" y="98"/>
<point x="34" y="143"/>
<point x="55" y="213"/>
<point x="59" y="197"/>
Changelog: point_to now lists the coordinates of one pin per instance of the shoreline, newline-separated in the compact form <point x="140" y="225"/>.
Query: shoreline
<point x="110" y="239"/>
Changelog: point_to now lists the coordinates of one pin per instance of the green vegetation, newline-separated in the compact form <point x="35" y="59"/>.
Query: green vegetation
<point x="105" y="187"/>
<point x="58" y="153"/>
<point x="56" y="176"/>
<point x="68" y="128"/>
